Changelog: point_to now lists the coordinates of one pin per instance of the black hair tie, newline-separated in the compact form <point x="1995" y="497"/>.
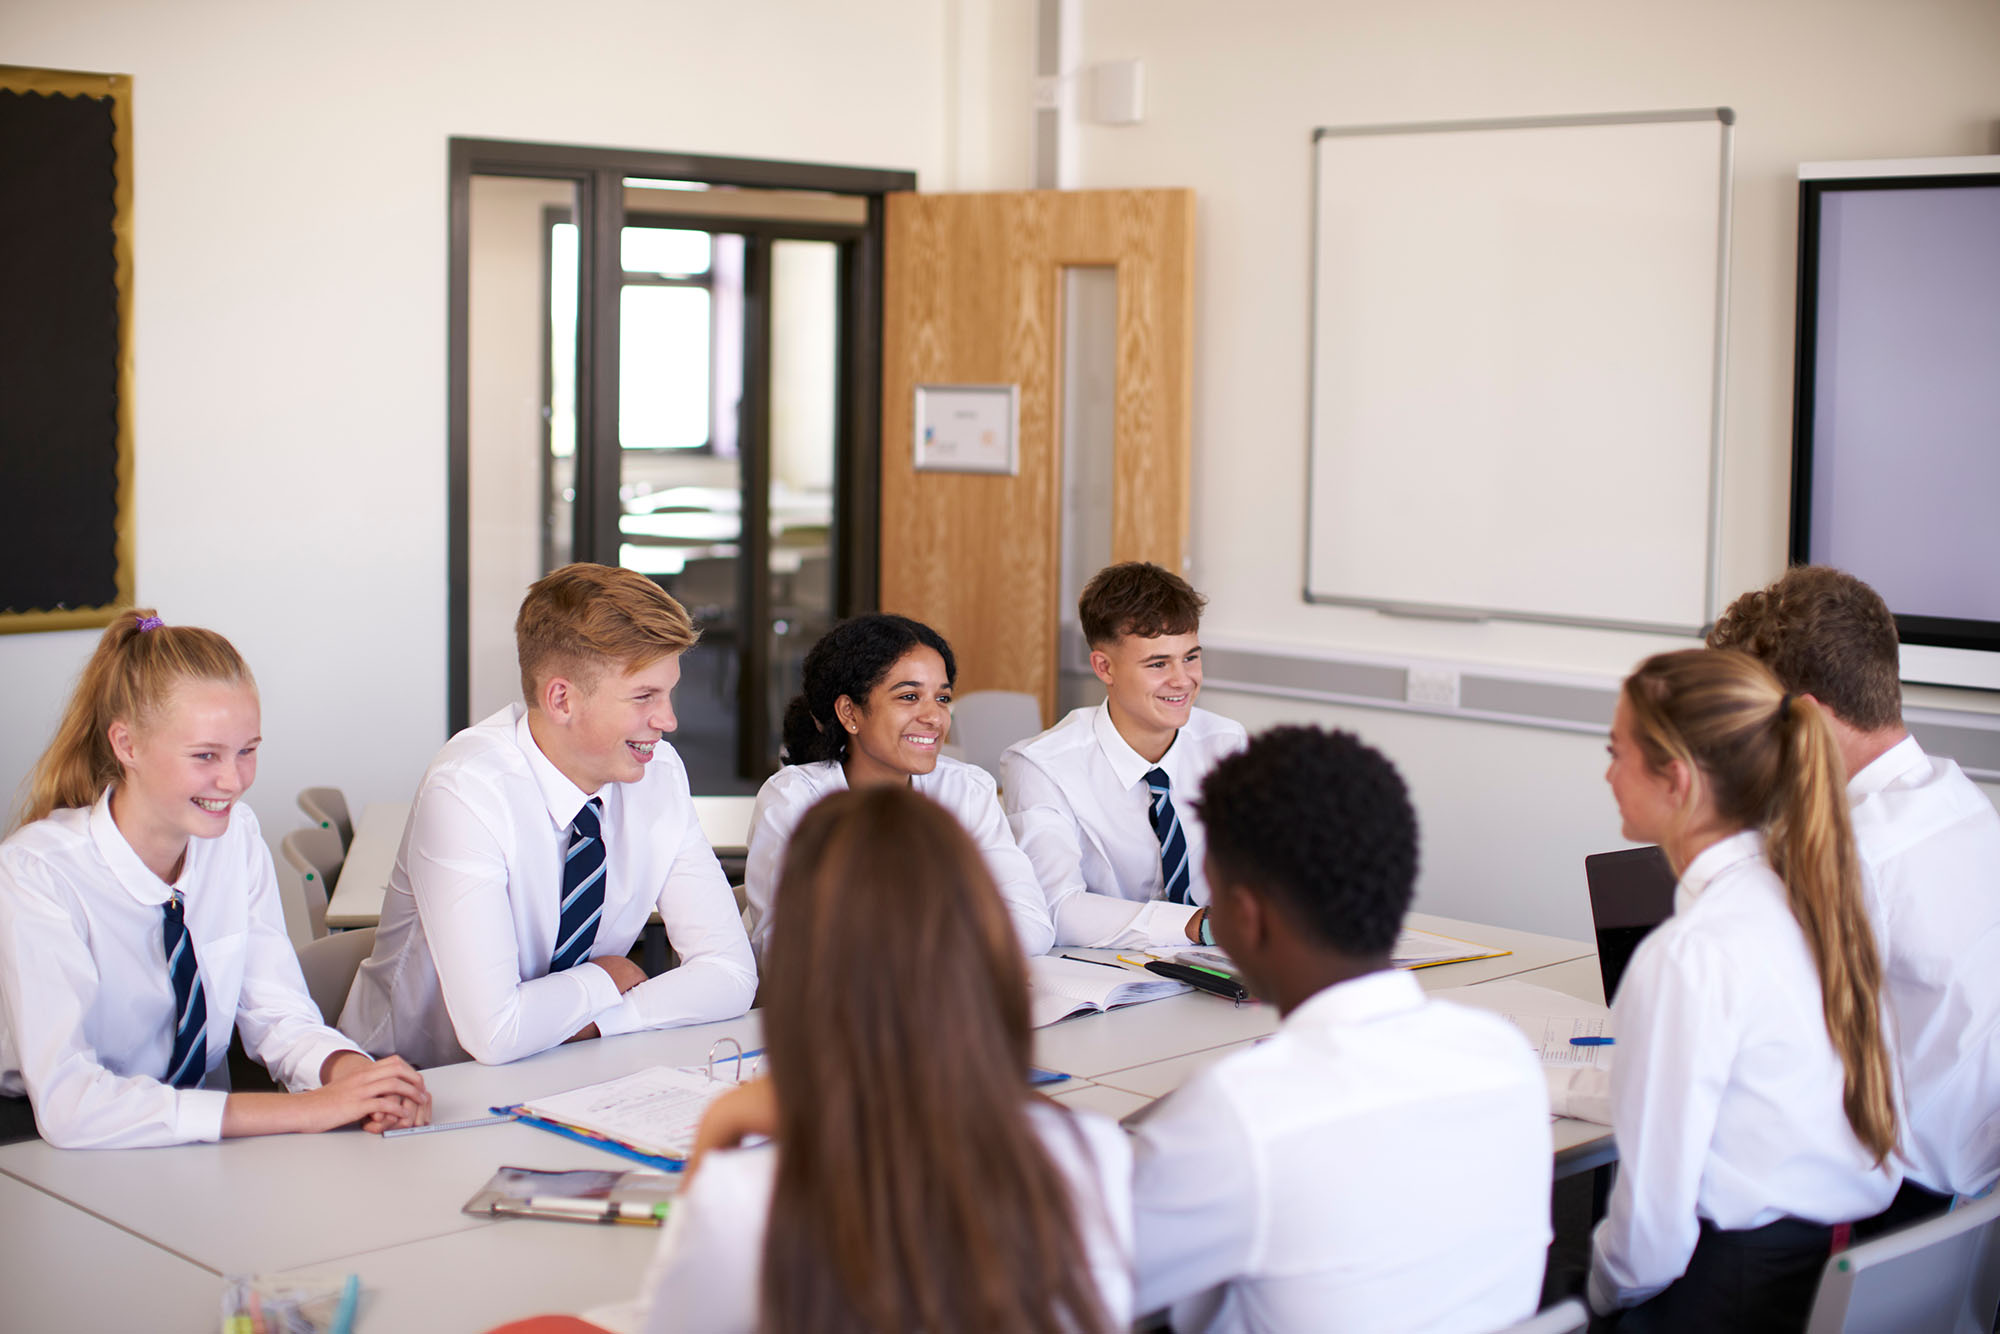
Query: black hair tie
<point x="1785" y="706"/>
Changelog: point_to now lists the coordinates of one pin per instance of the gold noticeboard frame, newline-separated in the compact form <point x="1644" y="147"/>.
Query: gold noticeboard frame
<point x="117" y="89"/>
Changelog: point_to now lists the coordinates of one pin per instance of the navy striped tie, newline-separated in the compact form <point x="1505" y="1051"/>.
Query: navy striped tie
<point x="189" y="1062"/>
<point x="582" y="889"/>
<point x="1173" y="841"/>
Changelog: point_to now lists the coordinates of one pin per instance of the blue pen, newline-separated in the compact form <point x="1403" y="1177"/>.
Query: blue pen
<point x="1591" y="1042"/>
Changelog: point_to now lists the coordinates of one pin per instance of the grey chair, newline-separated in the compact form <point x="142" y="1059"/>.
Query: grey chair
<point x="1570" y="1316"/>
<point x="1940" y="1276"/>
<point x="327" y="808"/>
<point x="330" y="963"/>
<point x="985" y="722"/>
<point x="316" y="855"/>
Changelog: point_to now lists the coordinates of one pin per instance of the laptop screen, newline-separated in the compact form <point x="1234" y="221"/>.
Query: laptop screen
<point x="1631" y="892"/>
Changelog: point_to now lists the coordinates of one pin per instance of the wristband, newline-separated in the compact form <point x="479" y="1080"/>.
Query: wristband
<point x="1207" y="935"/>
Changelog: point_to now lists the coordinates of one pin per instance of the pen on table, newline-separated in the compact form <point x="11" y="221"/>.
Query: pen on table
<point x="1591" y="1042"/>
<point x="598" y="1211"/>
<point x="1101" y="963"/>
<point x="445" y="1125"/>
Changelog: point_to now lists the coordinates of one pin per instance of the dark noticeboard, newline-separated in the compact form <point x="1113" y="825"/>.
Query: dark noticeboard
<point x="65" y="348"/>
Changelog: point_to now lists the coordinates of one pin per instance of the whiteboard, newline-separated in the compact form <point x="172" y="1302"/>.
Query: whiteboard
<point x="1517" y="368"/>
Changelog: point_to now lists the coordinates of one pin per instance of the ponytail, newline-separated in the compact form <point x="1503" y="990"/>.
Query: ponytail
<point x="1810" y="842"/>
<point x="1770" y="762"/>
<point x="135" y="667"/>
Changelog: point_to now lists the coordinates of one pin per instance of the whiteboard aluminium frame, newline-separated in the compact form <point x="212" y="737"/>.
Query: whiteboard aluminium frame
<point x="1712" y="593"/>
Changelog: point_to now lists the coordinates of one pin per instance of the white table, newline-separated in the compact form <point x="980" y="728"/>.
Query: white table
<point x="371" y="854"/>
<point x="61" y="1269"/>
<point x="176" y="1219"/>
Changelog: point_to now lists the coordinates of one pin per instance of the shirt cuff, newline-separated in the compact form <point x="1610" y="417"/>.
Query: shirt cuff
<point x="305" y="1077"/>
<point x="622" y="1017"/>
<point x="600" y="991"/>
<point x="1583" y="1094"/>
<point x="198" y="1115"/>
<point x="1165" y="923"/>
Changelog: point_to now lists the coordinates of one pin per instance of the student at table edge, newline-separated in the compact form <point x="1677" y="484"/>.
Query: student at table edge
<point x="1929" y="843"/>
<point x="541" y="840"/>
<point x="140" y="924"/>
<point x="1382" y="1161"/>
<point x="1102" y="803"/>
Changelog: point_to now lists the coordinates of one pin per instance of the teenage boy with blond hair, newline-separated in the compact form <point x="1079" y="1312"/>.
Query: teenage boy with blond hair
<point x="1102" y="802"/>
<point x="540" y="841"/>
<point x="1929" y="842"/>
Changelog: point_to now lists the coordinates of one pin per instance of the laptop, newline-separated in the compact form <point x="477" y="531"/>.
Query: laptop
<point x="1631" y="892"/>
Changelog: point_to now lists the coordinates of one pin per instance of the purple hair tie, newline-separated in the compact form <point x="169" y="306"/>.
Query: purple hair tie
<point x="149" y="623"/>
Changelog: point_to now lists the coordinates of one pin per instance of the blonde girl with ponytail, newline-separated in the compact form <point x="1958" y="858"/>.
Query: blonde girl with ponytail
<point x="140" y="924"/>
<point x="1752" y="1092"/>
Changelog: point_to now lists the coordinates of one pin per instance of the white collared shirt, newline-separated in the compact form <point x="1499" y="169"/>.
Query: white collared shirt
<point x="1930" y="853"/>
<point x="1076" y="796"/>
<point x="964" y="789"/>
<point x="1726" y="1096"/>
<point x="1381" y="1163"/>
<point x="87" y="1007"/>
<point x="706" y="1274"/>
<point x="461" y="962"/>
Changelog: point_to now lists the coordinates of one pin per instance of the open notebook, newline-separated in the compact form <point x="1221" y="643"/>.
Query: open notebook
<point x="650" y="1115"/>
<point x="1059" y="988"/>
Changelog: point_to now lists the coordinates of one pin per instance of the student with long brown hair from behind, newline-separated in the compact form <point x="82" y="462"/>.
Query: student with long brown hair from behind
<point x="1752" y="1092"/>
<point x="913" y="1181"/>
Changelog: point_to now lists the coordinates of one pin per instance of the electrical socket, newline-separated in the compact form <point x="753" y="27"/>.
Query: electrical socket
<point x="1436" y="687"/>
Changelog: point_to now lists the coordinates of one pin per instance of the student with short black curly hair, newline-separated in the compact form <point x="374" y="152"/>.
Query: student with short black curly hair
<point x="1296" y="1184"/>
<point x="875" y="710"/>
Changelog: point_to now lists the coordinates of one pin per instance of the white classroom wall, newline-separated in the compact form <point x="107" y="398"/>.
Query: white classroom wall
<point x="1232" y="95"/>
<point x="290" y="313"/>
<point x="290" y="294"/>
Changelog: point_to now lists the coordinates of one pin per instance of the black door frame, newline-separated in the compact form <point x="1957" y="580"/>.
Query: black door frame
<point x="599" y="174"/>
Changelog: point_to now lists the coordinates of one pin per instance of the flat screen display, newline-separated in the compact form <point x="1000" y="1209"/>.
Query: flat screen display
<point x="1897" y="438"/>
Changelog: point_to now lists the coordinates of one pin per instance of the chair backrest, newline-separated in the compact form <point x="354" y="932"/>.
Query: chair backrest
<point x="299" y="925"/>
<point x="316" y="855"/>
<point x="327" y="808"/>
<point x="1940" y="1276"/>
<point x="986" y="722"/>
<point x="330" y="964"/>
<point x="1565" y="1317"/>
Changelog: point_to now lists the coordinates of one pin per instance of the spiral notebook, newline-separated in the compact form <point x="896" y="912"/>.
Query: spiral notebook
<point x="649" y="1116"/>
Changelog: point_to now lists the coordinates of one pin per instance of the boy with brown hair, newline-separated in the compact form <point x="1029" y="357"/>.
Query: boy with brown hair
<point x="1929" y="842"/>
<point x="1102" y="801"/>
<point x="540" y="841"/>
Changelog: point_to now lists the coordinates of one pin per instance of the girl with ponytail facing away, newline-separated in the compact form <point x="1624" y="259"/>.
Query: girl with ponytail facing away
<point x="875" y="712"/>
<point x="140" y="924"/>
<point x="1751" y="1092"/>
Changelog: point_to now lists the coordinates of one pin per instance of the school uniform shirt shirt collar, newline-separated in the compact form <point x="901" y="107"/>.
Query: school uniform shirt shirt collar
<point x="1896" y="764"/>
<point x="1712" y="861"/>
<point x="564" y="798"/>
<point x="1128" y="764"/>
<point x="133" y="875"/>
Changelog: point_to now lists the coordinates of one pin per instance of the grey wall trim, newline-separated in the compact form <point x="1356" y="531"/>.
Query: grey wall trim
<point x="1564" y="704"/>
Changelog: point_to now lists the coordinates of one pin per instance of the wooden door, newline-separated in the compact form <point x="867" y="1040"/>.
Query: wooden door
<point x="973" y="295"/>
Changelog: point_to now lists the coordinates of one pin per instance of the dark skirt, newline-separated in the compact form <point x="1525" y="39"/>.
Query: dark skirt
<point x="1757" y="1281"/>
